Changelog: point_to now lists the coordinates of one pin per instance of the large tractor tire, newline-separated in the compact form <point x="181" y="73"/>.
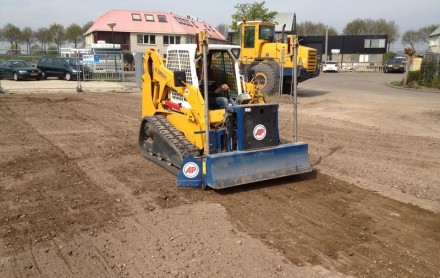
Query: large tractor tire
<point x="267" y="79"/>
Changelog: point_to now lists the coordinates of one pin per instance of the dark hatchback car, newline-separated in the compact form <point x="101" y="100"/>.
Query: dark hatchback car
<point x="19" y="70"/>
<point x="64" y="68"/>
<point x="394" y="65"/>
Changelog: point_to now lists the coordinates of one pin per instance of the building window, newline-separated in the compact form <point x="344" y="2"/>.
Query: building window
<point x="136" y="17"/>
<point x="364" y="58"/>
<point x="162" y="18"/>
<point x="190" y="39"/>
<point x="374" y="43"/>
<point x="149" y="17"/>
<point x="146" y="39"/>
<point x="184" y="21"/>
<point x="171" y="39"/>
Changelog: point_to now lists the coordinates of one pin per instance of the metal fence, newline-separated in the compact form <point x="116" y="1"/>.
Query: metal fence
<point x="432" y="60"/>
<point x="354" y="67"/>
<point x="109" y="67"/>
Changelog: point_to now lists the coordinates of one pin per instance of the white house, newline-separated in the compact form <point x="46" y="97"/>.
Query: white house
<point x="434" y="41"/>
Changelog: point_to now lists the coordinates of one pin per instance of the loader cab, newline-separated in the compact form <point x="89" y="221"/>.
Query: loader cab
<point x="252" y="35"/>
<point x="223" y="67"/>
<point x="221" y="70"/>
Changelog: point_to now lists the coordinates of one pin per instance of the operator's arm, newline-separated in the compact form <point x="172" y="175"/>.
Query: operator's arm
<point x="221" y="89"/>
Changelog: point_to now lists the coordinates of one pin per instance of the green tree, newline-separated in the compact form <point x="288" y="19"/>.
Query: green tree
<point x="27" y="36"/>
<point x="308" y="28"/>
<point x="388" y="55"/>
<point x="74" y="34"/>
<point x="57" y="34"/>
<point x="128" y="57"/>
<point x="254" y="11"/>
<point x="12" y="34"/>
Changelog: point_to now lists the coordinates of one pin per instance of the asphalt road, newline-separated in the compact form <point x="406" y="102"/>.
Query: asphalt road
<point x="369" y="99"/>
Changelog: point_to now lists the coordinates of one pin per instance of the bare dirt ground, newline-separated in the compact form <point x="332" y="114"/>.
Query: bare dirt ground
<point x="78" y="200"/>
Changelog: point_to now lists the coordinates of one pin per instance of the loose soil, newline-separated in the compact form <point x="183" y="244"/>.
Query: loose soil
<point x="78" y="200"/>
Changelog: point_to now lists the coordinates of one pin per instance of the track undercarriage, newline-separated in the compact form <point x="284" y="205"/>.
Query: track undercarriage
<point x="163" y="144"/>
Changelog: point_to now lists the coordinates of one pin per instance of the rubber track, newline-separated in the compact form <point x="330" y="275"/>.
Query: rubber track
<point x="174" y="138"/>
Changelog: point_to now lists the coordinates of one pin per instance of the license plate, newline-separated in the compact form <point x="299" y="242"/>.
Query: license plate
<point x="34" y="74"/>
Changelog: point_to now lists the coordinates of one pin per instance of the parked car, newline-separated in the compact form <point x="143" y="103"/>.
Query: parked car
<point x="394" y="65"/>
<point x="330" y="66"/>
<point x="64" y="68"/>
<point x="19" y="70"/>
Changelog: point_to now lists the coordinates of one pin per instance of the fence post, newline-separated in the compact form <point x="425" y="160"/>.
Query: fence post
<point x="1" y="88"/>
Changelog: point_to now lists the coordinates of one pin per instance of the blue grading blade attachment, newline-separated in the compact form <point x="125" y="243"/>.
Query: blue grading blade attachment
<point x="241" y="167"/>
<point x="230" y="169"/>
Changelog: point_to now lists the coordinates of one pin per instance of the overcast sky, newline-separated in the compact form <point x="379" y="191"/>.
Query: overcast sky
<point x="335" y="13"/>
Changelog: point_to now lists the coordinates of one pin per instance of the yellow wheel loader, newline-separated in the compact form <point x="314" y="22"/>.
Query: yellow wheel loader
<point x="203" y="145"/>
<point x="271" y="58"/>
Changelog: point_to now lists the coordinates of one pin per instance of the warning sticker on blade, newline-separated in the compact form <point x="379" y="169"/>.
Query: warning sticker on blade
<point x="191" y="170"/>
<point x="259" y="132"/>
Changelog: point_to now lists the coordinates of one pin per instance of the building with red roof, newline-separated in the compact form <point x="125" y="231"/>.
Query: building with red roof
<point x="136" y="31"/>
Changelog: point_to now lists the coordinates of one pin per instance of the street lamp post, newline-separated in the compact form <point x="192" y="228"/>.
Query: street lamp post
<point x="112" y="25"/>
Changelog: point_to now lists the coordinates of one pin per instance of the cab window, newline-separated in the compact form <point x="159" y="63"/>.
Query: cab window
<point x="249" y="36"/>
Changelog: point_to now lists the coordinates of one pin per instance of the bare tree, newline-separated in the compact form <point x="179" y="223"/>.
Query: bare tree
<point x="87" y="26"/>
<point x="359" y="27"/>
<point x="43" y="36"/>
<point x="418" y="37"/>
<point x="389" y="28"/>
<point x="309" y="28"/>
<point x="223" y="29"/>
<point x="373" y="27"/>
<point x="411" y="37"/>
<point x="27" y="36"/>
<point x="57" y="34"/>
<point x="426" y="31"/>
<point x="12" y="34"/>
